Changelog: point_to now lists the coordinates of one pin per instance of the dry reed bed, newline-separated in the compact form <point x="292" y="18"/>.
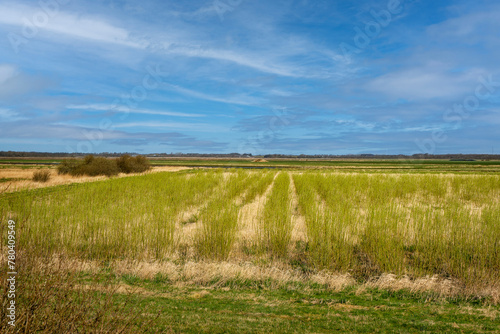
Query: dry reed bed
<point x="276" y="274"/>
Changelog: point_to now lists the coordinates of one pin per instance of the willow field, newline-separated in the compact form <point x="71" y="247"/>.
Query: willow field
<point x="435" y="235"/>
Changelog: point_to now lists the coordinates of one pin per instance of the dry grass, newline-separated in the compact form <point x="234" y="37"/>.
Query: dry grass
<point x="221" y="272"/>
<point x="299" y="231"/>
<point x="50" y="300"/>
<point x="188" y="221"/>
<point x="444" y="287"/>
<point x="279" y="274"/>
<point x="23" y="178"/>
<point x="248" y="220"/>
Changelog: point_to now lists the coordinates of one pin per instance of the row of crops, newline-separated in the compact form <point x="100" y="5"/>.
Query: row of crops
<point x="364" y="224"/>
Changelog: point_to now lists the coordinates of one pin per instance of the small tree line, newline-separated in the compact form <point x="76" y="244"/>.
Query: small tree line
<point x="93" y="166"/>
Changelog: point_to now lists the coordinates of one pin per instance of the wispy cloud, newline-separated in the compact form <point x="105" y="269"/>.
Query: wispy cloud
<point x="199" y="127"/>
<point x="425" y="83"/>
<point x="7" y="115"/>
<point x="64" y="23"/>
<point x="127" y="110"/>
<point x="238" y="58"/>
<point x="239" y="99"/>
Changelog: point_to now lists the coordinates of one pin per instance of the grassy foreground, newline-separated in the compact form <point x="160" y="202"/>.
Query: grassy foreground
<point x="57" y="300"/>
<point x="252" y="307"/>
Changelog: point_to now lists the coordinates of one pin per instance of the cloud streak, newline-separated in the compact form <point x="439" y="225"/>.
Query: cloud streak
<point x="126" y="110"/>
<point x="28" y="20"/>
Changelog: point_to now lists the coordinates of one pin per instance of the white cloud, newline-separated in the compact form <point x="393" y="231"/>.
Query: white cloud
<point x="14" y="83"/>
<point x="426" y="82"/>
<point x="178" y="42"/>
<point x="6" y="113"/>
<point x="469" y="28"/>
<point x="254" y="61"/>
<point x="200" y="127"/>
<point x="6" y="72"/>
<point x="113" y="108"/>
<point x="357" y="124"/>
<point x="240" y="99"/>
<point x="9" y="115"/>
<point x="64" y="23"/>
<point x="272" y="61"/>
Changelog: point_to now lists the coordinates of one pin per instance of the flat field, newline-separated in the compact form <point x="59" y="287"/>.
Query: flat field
<point x="334" y="246"/>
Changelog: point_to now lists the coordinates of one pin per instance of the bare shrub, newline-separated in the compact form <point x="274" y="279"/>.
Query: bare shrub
<point x="93" y="166"/>
<point x="99" y="166"/>
<point x="41" y="175"/>
<point x="90" y="165"/>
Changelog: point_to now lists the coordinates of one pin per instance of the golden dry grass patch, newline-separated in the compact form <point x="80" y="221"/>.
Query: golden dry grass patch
<point x="168" y="169"/>
<point x="147" y="270"/>
<point x="248" y="219"/>
<point x="56" y="261"/>
<point x="278" y="274"/>
<point x="23" y="177"/>
<point x="203" y="273"/>
<point x="199" y="294"/>
<point x="299" y="231"/>
<point x="441" y="286"/>
<point x="187" y="223"/>
<point x="335" y="282"/>
<point x="27" y="182"/>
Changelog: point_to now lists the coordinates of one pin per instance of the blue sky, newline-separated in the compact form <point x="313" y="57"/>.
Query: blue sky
<point x="312" y="77"/>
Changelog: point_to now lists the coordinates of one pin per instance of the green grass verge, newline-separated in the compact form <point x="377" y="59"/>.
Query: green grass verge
<point x="250" y="307"/>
